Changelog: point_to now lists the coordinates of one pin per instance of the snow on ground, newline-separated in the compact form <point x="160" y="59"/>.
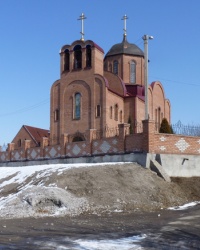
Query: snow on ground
<point x="185" y="206"/>
<point x="125" y="243"/>
<point x="21" y="173"/>
<point x="24" y="198"/>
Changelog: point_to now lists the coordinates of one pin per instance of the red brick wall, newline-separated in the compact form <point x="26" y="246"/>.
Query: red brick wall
<point x="22" y="135"/>
<point x="148" y="141"/>
<point x="134" y="143"/>
<point x="176" y="144"/>
<point x="77" y="149"/>
<point x="4" y="156"/>
<point x="107" y="146"/>
<point x="124" y="67"/>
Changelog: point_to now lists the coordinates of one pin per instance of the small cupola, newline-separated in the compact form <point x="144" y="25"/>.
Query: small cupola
<point x="126" y="60"/>
<point x="81" y="55"/>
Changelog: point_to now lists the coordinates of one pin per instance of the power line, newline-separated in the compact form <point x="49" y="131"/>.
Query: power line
<point x="168" y="80"/>
<point x="25" y="109"/>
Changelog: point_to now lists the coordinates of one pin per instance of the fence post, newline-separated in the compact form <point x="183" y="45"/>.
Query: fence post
<point x="26" y="146"/>
<point x="11" y="147"/>
<point x="63" y="143"/>
<point x="89" y="138"/>
<point x="124" y="129"/>
<point x="148" y="136"/>
<point x="44" y="143"/>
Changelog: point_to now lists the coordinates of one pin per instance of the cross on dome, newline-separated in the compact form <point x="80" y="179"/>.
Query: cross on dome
<point x="124" y="18"/>
<point x="82" y="17"/>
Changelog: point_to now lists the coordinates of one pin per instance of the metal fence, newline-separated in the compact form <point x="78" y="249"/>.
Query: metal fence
<point x="189" y="130"/>
<point x="106" y="132"/>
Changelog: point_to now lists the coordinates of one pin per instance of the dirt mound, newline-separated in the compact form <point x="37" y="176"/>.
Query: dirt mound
<point x="94" y="189"/>
<point x="126" y="187"/>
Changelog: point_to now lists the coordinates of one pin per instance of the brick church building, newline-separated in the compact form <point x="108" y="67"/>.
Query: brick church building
<point x="99" y="91"/>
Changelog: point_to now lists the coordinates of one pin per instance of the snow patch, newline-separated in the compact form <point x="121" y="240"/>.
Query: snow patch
<point x="41" y="201"/>
<point x="125" y="243"/>
<point x="185" y="206"/>
<point x="25" y="198"/>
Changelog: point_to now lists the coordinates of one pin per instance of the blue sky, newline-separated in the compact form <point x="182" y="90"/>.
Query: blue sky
<point x="33" y="31"/>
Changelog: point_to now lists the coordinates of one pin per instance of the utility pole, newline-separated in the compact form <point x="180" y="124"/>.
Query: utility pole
<point x="146" y="38"/>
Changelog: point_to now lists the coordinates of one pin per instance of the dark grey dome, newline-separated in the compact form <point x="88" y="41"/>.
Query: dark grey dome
<point x="125" y="48"/>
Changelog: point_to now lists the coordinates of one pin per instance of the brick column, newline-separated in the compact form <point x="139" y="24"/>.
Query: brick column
<point x="11" y="147"/>
<point x="63" y="142"/>
<point x="124" y="129"/>
<point x="89" y="134"/>
<point x="44" y="143"/>
<point x="89" y="138"/>
<point x="26" y="145"/>
<point x="148" y="136"/>
<point x="83" y="58"/>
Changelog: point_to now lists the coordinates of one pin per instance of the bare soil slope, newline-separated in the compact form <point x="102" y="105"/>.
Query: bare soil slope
<point x="128" y="187"/>
<point x="100" y="189"/>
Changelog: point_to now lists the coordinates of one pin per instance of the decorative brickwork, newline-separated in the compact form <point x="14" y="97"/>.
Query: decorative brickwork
<point x="33" y="153"/>
<point x="77" y="149"/>
<point x="149" y="142"/>
<point x="17" y="155"/>
<point x="176" y="144"/>
<point x="106" y="146"/>
<point x="4" y="156"/>
<point x="52" y="151"/>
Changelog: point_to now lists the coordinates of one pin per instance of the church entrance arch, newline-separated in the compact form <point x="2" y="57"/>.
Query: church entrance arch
<point x="78" y="137"/>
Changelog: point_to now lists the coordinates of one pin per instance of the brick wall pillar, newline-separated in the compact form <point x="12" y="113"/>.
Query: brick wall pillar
<point x="89" y="138"/>
<point x="44" y="143"/>
<point x="63" y="142"/>
<point x="26" y="145"/>
<point x="124" y="129"/>
<point x="83" y="58"/>
<point x="11" y="147"/>
<point x="89" y="134"/>
<point x="148" y="136"/>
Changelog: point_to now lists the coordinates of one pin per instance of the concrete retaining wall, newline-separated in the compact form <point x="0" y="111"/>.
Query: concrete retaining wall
<point x="173" y="165"/>
<point x="132" y="157"/>
<point x="176" y="165"/>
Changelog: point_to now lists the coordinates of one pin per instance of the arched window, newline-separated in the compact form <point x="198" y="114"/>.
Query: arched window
<point x="77" y="57"/>
<point x="88" y="56"/>
<point x="105" y="66"/>
<point x="98" y="111"/>
<point x="115" y="67"/>
<point x="110" y="67"/>
<point x="66" y="60"/>
<point x="120" y="118"/>
<point x="56" y="115"/>
<point x="111" y="112"/>
<point x="159" y="116"/>
<point x="77" y="138"/>
<point x="157" y="119"/>
<point x="156" y="115"/>
<point x="132" y="72"/>
<point x="77" y="106"/>
<point x="116" y="112"/>
<point x="19" y="143"/>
